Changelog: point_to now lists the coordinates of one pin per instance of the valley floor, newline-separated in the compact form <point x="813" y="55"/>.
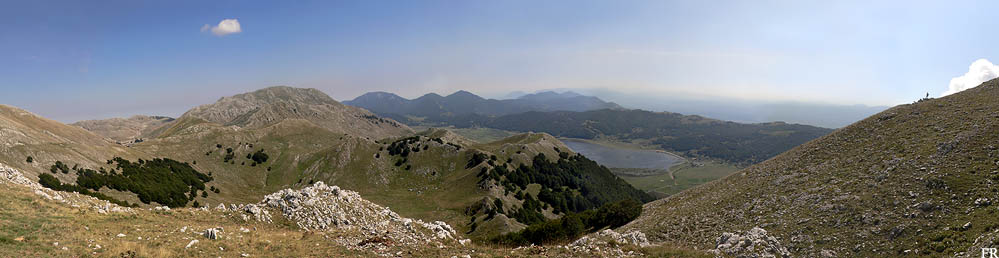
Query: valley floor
<point x="679" y="177"/>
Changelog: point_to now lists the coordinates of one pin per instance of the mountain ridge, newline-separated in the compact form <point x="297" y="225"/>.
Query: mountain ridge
<point x="463" y="102"/>
<point x="124" y="130"/>
<point x="270" y="105"/>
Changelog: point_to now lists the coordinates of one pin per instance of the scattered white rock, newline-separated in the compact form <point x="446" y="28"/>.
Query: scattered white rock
<point x="191" y="244"/>
<point x="754" y="243"/>
<point x="321" y="207"/>
<point x="11" y="175"/>
<point x="121" y="235"/>
<point x="605" y="236"/>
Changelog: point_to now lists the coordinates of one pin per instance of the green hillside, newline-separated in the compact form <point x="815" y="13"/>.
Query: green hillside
<point x="917" y="179"/>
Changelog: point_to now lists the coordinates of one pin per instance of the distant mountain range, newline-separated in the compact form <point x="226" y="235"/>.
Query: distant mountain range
<point x="570" y="114"/>
<point x="435" y="106"/>
<point x="737" y="110"/>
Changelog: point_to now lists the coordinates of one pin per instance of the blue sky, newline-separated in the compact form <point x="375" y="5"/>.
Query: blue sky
<point x="72" y="60"/>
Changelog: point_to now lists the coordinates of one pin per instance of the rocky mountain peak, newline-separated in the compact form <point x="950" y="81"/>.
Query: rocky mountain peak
<point x="275" y="104"/>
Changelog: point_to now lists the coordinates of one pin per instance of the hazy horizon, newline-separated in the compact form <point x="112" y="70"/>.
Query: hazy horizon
<point x="76" y="60"/>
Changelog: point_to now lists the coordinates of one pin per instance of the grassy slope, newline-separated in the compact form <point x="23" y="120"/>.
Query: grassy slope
<point x="904" y="179"/>
<point x="680" y="177"/>
<point x="31" y="226"/>
<point x="23" y="134"/>
<point x="482" y="135"/>
<point x="437" y="186"/>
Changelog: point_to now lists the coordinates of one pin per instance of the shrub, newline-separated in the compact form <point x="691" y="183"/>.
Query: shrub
<point x="499" y="205"/>
<point x="259" y="156"/>
<point x="31" y="159"/>
<point x="51" y="182"/>
<point x="476" y="159"/>
<point x="59" y="166"/>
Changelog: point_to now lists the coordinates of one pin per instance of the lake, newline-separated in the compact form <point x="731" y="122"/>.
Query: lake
<point x="613" y="157"/>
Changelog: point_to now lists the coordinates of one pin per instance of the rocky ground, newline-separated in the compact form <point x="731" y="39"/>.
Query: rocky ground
<point x="319" y="220"/>
<point x="11" y="176"/>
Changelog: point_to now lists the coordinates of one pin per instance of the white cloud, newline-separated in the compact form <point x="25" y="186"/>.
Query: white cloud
<point x="225" y="27"/>
<point x="980" y="71"/>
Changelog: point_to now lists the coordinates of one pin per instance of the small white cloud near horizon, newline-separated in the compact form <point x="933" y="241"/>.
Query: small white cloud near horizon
<point x="225" y="27"/>
<point x="980" y="71"/>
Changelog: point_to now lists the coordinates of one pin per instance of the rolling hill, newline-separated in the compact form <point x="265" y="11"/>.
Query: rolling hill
<point x="124" y="130"/>
<point x="272" y="105"/>
<point x="24" y="134"/>
<point x="248" y="145"/>
<point x="915" y="180"/>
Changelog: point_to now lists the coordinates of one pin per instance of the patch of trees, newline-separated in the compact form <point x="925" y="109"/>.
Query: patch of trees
<point x="258" y="157"/>
<point x="229" y="155"/>
<point x="51" y="182"/>
<point x="401" y="147"/>
<point x="571" y="226"/>
<point x="571" y="184"/>
<point x="59" y="166"/>
<point x="476" y="159"/>
<point x="164" y="181"/>
<point x="530" y="212"/>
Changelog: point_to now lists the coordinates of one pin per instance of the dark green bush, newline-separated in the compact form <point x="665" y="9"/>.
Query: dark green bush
<point x="476" y="159"/>
<point x="51" y="182"/>
<point x="573" y="225"/>
<point x="259" y="156"/>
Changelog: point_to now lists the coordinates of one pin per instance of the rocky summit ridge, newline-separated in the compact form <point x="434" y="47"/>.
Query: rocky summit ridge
<point x="272" y="105"/>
